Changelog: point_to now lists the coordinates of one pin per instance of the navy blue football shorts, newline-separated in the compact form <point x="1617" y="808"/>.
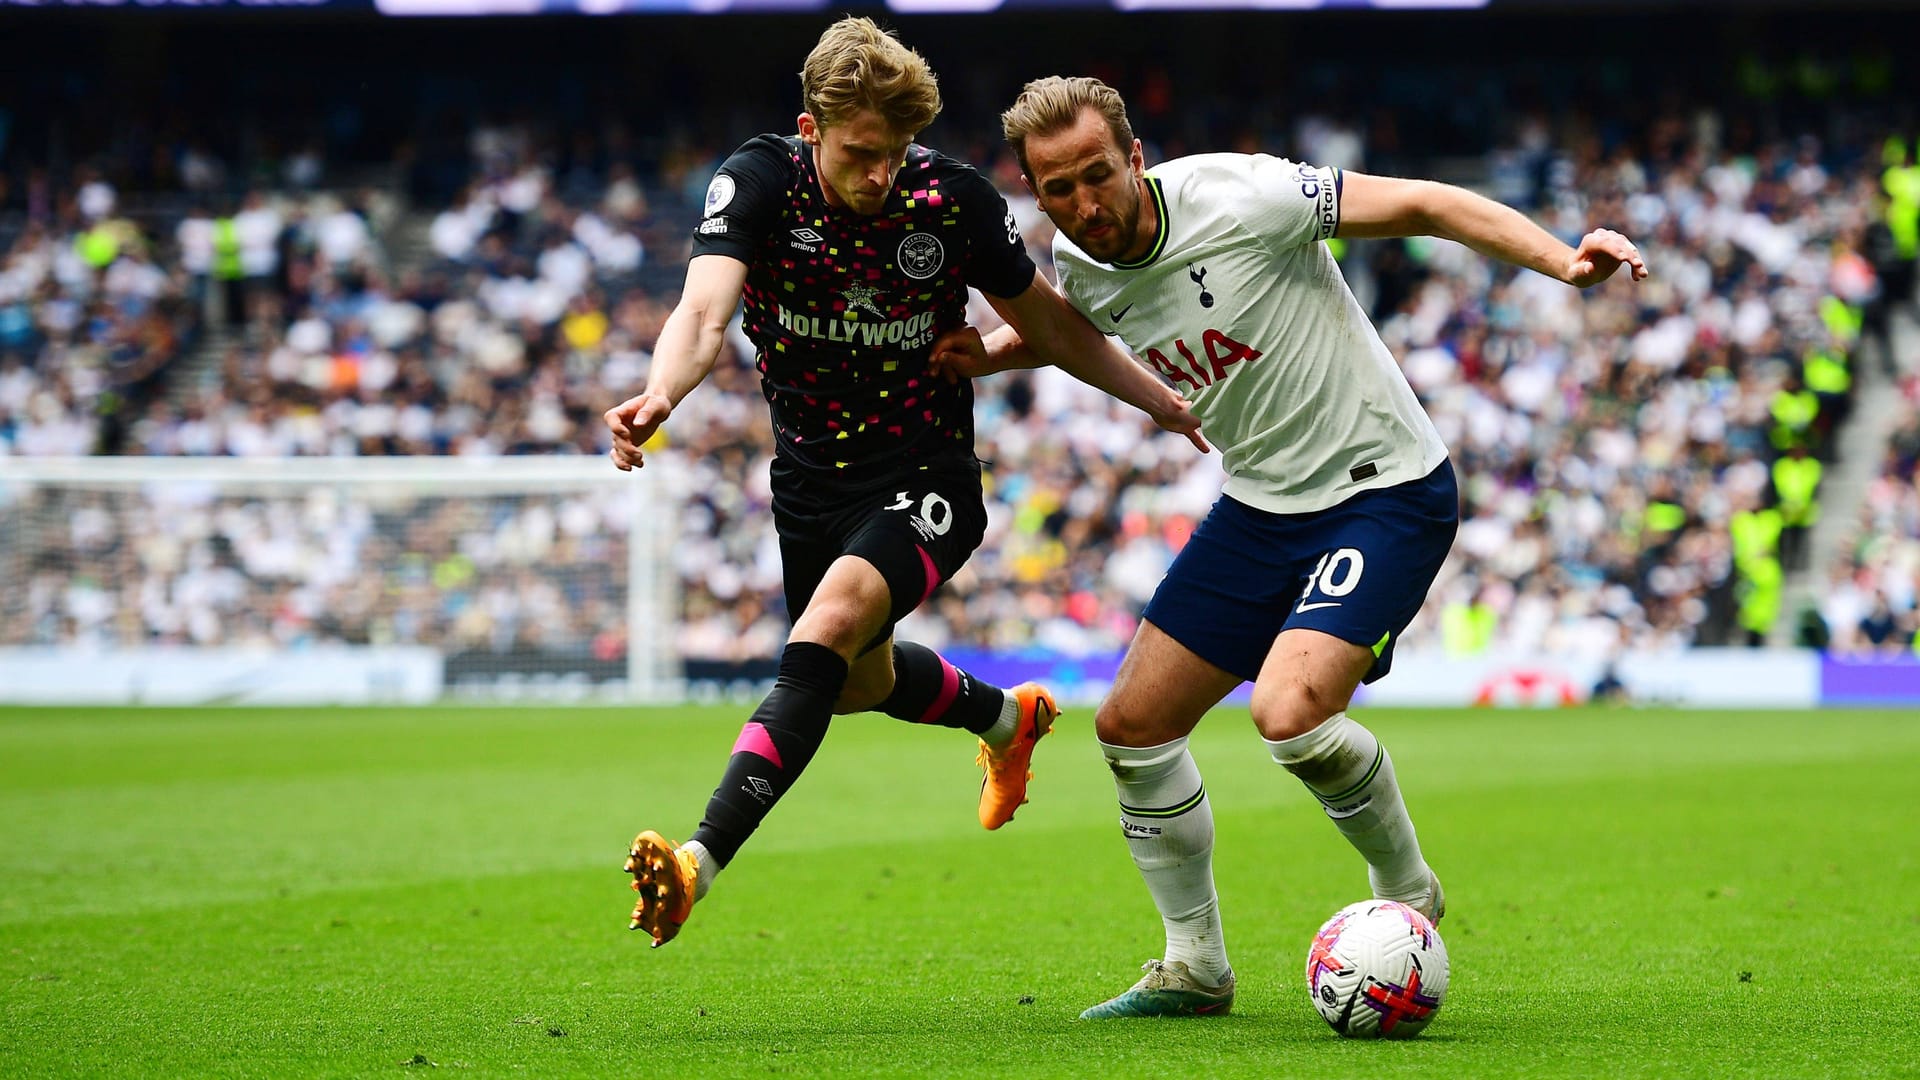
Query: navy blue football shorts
<point x="1358" y="571"/>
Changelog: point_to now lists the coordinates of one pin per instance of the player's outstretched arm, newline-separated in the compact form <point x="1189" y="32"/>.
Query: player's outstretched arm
<point x="1381" y="206"/>
<point x="964" y="353"/>
<point x="1047" y="328"/>
<point x="689" y="343"/>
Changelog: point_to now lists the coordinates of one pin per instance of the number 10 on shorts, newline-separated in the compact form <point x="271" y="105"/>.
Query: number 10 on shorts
<point x="936" y="514"/>
<point x="1337" y="574"/>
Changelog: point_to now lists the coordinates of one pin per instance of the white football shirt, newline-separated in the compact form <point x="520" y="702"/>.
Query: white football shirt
<point x="1244" y="309"/>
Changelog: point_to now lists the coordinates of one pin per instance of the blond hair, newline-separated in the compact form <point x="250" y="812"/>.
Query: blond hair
<point x="856" y="65"/>
<point x="1054" y="104"/>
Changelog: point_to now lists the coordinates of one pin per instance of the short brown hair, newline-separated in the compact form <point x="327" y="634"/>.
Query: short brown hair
<point x="856" y="65"/>
<point x="1054" y="104"/>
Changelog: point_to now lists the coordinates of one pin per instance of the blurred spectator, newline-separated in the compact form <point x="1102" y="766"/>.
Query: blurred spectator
<point x="1871" y="602"/>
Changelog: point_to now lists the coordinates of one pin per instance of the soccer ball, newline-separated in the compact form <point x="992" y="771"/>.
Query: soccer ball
<point x="1377" y="970"/>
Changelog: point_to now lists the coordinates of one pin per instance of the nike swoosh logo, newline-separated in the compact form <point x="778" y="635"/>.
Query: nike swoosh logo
<point x="1122" y="313"/>
<point x="1315" y="607"/>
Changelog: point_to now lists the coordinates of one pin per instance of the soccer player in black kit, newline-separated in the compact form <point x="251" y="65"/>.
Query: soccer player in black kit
<point x="853" y="248"/>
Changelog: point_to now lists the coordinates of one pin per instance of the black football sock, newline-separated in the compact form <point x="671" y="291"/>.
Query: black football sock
<point x="928" y="690"/>
<point x="774" y="747"/>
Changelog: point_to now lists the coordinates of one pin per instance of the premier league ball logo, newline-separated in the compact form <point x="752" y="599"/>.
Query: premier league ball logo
<point x="719" y="194"/>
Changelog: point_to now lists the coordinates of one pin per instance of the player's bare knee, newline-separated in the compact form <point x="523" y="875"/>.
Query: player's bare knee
<point x="1279" y="725"/>
<point x="1291" y="709"/>
<point x="1117" y="725"/>
<point x="1110" y="724"/>
<point x="840" y="625"/>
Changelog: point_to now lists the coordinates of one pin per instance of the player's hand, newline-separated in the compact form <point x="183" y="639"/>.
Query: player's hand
<point x="960" y="353"/>
<point x="633" y="422"/>
<point x="1600" y="253"/>
<point x="1177" y="417"/>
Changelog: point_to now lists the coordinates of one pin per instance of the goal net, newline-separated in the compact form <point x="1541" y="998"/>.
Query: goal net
<point x="183" y="579"/>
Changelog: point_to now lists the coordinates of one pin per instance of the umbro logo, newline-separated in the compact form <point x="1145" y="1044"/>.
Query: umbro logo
<point x="806" y="239"/>
<point x="1122" y="313"/>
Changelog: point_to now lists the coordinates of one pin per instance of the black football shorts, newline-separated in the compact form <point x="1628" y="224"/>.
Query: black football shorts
<point x="918" y="528"/>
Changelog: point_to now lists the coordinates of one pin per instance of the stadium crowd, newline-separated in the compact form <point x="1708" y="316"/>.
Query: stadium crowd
<point x="1870" y="601"/>
<point x="93" y="316"/>
<point x="1619" y="450"/>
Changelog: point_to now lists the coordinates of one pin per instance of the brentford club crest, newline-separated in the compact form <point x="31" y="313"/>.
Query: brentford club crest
<point x="921" y="256"/>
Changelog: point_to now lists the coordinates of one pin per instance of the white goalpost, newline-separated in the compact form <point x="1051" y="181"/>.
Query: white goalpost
<point x="195" y="580"/>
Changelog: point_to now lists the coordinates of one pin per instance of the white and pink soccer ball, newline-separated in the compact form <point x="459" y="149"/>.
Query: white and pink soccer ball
<point x="1377" y="970"/>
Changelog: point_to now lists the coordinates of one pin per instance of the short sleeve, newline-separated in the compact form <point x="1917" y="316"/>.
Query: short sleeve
<point x="997" y="259"/>
<point x="744" y="200"/>
<point x="1067" y="279"/>
<point x="1293" y="204"/>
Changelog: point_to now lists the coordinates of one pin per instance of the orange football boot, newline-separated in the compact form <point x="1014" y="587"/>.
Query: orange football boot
<point x="665" y="877"/>
<point x="1004" y="787"/>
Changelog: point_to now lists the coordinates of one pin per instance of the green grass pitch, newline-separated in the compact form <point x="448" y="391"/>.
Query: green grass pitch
<point x="360" y="892"/>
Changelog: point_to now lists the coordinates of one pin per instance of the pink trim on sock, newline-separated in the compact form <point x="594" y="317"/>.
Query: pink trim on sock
<point x="949" y="689"/>
<point x="755" y="740"/>
<point x="933" y="572"/>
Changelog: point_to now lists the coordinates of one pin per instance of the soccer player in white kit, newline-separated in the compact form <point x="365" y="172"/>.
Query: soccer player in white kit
<point x="1339" y="504"/>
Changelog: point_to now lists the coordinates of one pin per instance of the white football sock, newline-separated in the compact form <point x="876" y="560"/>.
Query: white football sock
<point x="1003" y="729"/>
<point x="1169" y="827"/>
<point x="1348" y="770"/>
<point x="709" y="868"/>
